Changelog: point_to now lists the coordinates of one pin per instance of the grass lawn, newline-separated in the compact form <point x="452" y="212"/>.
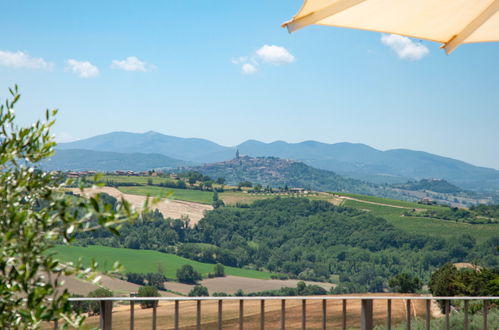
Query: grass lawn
<point x="427" y="226"/>
<point x="143" y="261"/>
<point x="198" y="196"/>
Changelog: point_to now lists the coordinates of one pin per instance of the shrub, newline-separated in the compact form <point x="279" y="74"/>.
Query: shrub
<point x="94" y="306"/>
<point x="219" y="270"/>
<point x="156" y="279"/>
<point x="405" y="283"/>
<point x="199" y="291"/>
<point x="148" y="291"/>
<point x="187" y="274"/>
<point x="135" y="278"/>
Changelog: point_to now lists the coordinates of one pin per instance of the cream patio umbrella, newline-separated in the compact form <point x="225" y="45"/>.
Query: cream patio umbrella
<point x="450" y="22"/>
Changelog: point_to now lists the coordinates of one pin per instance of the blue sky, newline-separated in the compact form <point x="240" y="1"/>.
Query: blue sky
<point x="178" y="69"/>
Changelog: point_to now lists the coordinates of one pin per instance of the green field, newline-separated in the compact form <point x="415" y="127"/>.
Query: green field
<point x="389" y="201"/>
<point x="426" y="226"/>
<point x="143" y="261"/>
<point x="197" y="196"/>
<point x="143" y="180"/>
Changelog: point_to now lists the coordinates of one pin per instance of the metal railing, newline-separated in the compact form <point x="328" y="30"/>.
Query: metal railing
<point x="366" y="309"/>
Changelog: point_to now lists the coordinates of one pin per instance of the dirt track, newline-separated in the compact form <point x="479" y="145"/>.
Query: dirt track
<point x="230" y="284"/>
<point x="117" y="286"/>
<point x="376" y="203"/>
<point x="169" y="208"/>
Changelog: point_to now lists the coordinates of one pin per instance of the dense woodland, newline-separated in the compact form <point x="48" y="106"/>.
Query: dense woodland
<point x="310" y="240"/>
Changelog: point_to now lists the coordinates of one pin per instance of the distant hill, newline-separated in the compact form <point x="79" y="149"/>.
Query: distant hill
<point x="190" y="149"/>
<point x="439" y="186"/>
<point x="354" y="160"/>
<point x="277" y="172"/>
<point x="366" y="163"/>
<point x="84" y="160"/>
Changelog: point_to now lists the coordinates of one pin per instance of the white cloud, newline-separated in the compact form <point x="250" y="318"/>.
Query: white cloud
<point x="132" y="63"/>
<point x="266" y="54"/>
<point x="84" y="69"/>
<point x="405" y="48"/>
<point x="275" y="55"/>
<point x="248" y="68"/>
<point x="239" y="60"/>
<point x="23" y="60"/>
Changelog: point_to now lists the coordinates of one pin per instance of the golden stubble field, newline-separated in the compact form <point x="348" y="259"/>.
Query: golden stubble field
<point x="230" y="315"/>
<point x="169" y="208"/>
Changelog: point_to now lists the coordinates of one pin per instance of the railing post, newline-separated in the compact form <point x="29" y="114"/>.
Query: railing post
<point x="154" y="307"/>
<point x="466" y="322"/>
<point x="283" y="314"/>
<point x="324" y="314"/>
<point x="241" y="314"/>
<point x="408" y="312"/>
<point x="428" y="314"/>
<point x="485" y="311"/>
<point x="304" y="314"/>
<point x="132" y="315"/>
<point x="447" y="314"/>
<point x="106" y="314"/>
<point x="344" y="312"/>
<point x="389" y="314"/>
<point x="198" y="314"/>
<point x="220" y="314"/>
<point x="366" y="314"/>
<point x="176" y="314"/>
<point x="56" y="325"/>
<point x="262" y="314"/>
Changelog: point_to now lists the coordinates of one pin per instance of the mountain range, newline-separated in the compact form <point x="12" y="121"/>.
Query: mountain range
<point x="353" y="160"/>
<point x="85" y="160"/>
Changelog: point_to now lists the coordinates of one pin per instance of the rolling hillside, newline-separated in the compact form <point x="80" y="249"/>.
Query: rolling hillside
<point x="277" y="172"/>
<point x="143" y="261"/>
<point x="358" y="161"/>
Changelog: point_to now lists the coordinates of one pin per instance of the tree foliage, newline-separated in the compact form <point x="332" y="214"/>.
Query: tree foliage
<point x="199" y="291"/>
<point x="405" y="283"/>
<point x="148" y="291"/>
<point x="219" y="270"/>
<point x="475" y="281"/>
<point x="35" y="214"/>
<point x="304" y="239"/>
<point x="187" y="274"/>
<point x="217" y="202"/>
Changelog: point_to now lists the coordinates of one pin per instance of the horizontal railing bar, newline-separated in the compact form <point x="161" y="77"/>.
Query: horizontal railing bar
<point x="278" y="298"/>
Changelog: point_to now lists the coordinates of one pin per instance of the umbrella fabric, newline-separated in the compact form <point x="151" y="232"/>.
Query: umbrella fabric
<point x="450" y="22"/>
